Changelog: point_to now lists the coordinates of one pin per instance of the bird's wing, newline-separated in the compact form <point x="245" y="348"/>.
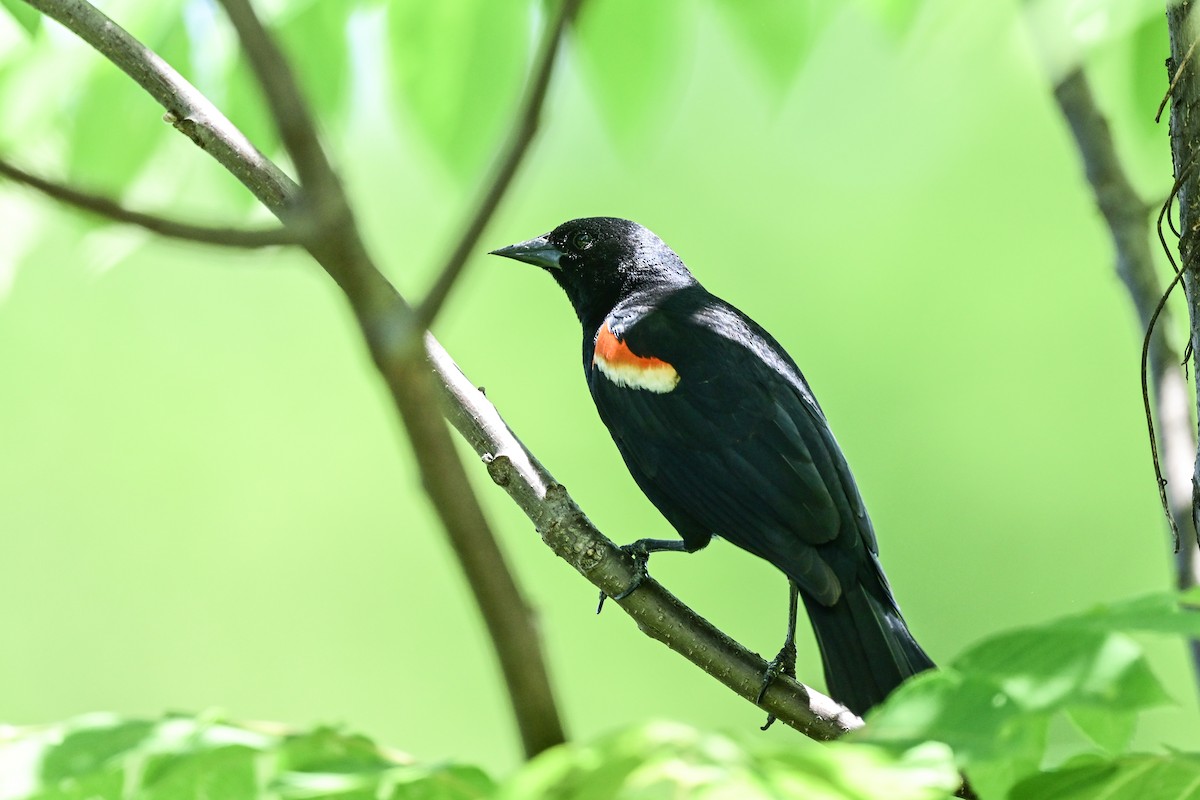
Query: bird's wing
<point x="735" y="444"/>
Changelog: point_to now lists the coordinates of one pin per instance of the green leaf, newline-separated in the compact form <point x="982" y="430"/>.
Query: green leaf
<point x="102" y="757"/>
<point x="88" y="749"/>
<point x="978" y="720"/>
<point x="1137" y="777"/>
<point x="116" y="128"/>
<point x="671" y="760"/>
<point x="1148" y="51"/>
<point x="1165" y="612"/>
<point x="24" y="14"/>
<point x="440" y="782"/>
<point x="1066" y="31"/>
<point x="315" y="39"/>
<point x="101" y="784"/>
<point x="458" y="65"/>
<point x="894" y="16"/>
<point x="1109" y="728"/>
<point x="629" y="51"/>
<point x="1047" y="668"/>
<point x="327" y="750"/>
<point x="230" y="773"/>
<point x="246" y="108"/>
<point x="777" y="34"/>
<point x="992" y="705"/>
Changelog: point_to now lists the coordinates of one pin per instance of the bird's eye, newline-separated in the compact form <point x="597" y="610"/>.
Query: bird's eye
<point x="581" y="241"/>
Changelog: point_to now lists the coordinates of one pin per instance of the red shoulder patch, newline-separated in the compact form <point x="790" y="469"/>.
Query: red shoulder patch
<point x="625" y="368"/>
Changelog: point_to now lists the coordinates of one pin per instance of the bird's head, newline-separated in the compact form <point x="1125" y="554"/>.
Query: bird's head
<point x="599" y="261"/>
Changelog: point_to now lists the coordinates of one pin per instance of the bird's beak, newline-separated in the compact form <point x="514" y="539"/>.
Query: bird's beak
<point x="538" y="252"/>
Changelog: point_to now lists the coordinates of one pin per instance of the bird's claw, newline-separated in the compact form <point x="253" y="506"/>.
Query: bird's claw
<point x="782" y="664"/>
<point x="641" y="558"/>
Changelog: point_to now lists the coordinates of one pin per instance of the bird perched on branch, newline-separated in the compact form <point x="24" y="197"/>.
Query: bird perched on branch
<point x="721" y="431"/>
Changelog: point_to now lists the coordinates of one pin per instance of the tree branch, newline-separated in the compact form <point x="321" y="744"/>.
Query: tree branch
<point x="1128" y="220"/>
<point x="528" y="119"/>
<point x="340" y="249"/>
<point x="335" y="244"/>
<point x="1127" y="217"/>
<point x="568" y="532"/>
<point x="382" y="315"/>
<point x="173" y="229"/>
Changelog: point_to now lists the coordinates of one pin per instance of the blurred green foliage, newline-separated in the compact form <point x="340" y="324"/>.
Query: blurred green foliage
<point x="202" y="497"/>
<point x="986" y="713"/>
<point x="108" y="758"/>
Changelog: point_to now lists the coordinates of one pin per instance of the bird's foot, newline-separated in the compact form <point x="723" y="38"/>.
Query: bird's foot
<point x="641" y="558"/>
<point x="782" y="664"/>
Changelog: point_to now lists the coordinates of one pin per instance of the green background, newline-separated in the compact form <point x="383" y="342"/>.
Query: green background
<point x="206" y="500"/>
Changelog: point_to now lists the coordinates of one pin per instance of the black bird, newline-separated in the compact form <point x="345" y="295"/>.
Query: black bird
<point x="721" y="431"/>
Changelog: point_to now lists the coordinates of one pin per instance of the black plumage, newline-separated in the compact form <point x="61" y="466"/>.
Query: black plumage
<point x="721" y="431"/>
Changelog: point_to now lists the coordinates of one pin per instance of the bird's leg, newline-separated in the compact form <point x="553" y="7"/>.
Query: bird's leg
<point x="641" y="550"/>
<point x="785" y="662"/>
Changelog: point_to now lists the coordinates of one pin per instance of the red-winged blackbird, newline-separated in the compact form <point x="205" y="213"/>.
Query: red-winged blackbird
<point x="721" y="431"/>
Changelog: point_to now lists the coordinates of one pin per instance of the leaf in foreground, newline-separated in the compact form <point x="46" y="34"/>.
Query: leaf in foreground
<point x="105" y="757"/>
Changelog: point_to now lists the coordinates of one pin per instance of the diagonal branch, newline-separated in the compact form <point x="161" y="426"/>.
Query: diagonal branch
<point x="1128" y="220"/>
<point x="568" y="532"/>
<point x="163" y="226"/>
<point x="529" y="118"/>
<point x="546" y="503"/>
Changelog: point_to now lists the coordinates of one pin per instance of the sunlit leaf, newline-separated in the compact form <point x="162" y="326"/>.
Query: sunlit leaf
<point x="971" y="715"/>
<point x="1049" y="667"/>
<point x="314" y="35"/>
<point x="227" y="772"/>
<point x="315" y="38"/>
<point x="777" y="34"/>
<point x="1148" y="51"/>
<point x="88" y="749"/>
<point x="895" y="16"/>
<point x="1110" y="728"/>
<point x="1164" y="612"/>
<point x="246" y="108"/>
<point x="1067" y="30"/>
<point x="458" y="66"/>
<point x="115" y="129"/>
<point x="1137" y="777"/>
<point x="24" y="14"/>
<point x="993" y="703"/>
<point x="630" y="52"/>
<point x="174" y="47"/>
<point x="102" y="757"/>
<point x="671" y="760"/>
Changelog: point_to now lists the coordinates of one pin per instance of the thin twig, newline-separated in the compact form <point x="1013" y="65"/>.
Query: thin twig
<point x="528" y="118"/>
<point x="174" y="229"/>
<point x="546" y="503"/>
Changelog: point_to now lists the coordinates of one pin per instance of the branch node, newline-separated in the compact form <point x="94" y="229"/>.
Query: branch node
<point x="499" y="467"/>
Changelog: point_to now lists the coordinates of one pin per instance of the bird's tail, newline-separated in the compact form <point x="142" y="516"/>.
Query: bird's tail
<point x="865" y="646"/>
